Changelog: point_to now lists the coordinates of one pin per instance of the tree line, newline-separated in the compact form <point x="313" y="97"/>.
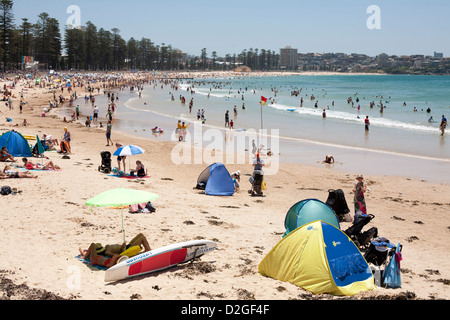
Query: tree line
<point x="96" y="49"/>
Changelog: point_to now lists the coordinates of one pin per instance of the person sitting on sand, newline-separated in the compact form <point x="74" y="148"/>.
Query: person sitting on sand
<point x="109" y="255"/>
<point x="30" y="165"/>
<point x="49" y="141"/>
<point x="329" y="159"/>
<point x="236" y="176"/>
<point x="11" y="174"/>
<point x="140" y="170"/>
<point x="5" y="156"/>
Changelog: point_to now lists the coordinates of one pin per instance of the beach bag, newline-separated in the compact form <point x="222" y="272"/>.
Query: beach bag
<point x="150" y="207"/>
<point x="392" y="277"/>
<point x="5" y="190"/>
<point x="263" y="185"/>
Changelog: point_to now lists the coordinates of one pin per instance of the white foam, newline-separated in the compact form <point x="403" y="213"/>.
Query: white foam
<point x="353" y="117"/>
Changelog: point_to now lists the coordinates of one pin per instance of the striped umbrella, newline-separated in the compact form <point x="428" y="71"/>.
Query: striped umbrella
<point x="129" y="150"/>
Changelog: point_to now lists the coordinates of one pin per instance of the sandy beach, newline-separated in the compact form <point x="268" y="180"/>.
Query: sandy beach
<point x="47" y="222"/>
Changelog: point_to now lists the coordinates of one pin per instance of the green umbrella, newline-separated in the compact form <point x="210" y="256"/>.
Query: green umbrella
<point x="40" y="147"/>
<point x="121" y="197"/>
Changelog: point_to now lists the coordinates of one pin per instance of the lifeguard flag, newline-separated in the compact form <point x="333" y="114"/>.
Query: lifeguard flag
<point x="263" y="101"/>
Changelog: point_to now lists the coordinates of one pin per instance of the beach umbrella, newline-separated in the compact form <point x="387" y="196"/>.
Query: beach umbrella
<point x="129" y="150"/>
<point x="40" y="147"/>
<point x="119" y="198"/>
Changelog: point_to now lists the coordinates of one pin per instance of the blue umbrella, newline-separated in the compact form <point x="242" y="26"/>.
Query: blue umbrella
<point x="128" y="151"/>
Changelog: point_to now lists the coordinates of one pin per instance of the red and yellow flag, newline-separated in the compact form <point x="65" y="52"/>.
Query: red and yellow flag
<point x="263" y="101"/>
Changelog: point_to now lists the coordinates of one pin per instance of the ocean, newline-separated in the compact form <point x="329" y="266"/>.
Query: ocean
<point x="401" y="140"/>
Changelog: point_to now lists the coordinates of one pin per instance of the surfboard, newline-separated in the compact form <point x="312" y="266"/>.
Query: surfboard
<point x="291" y="110"/>
<point x="159" y="259"/>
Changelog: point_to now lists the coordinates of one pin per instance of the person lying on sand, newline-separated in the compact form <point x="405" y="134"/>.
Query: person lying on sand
<point x="30" y="165"/>
<point x="11" y="174"/>
<point x="109" y="255"/>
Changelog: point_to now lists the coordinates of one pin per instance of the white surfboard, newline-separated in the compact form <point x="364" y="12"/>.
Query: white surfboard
<point x="159" y="259"/>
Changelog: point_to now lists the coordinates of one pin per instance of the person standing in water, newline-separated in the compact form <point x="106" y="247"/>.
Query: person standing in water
<point x="443" y="125"/>
<point x="366" y="123"/>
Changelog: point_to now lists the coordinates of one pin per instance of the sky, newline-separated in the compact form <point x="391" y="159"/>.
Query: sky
<point x="405" y="27"/>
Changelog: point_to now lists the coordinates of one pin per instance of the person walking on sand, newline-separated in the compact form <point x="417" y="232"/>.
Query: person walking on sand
<point x="108" y="133"/>
<point x="443" y="125"/>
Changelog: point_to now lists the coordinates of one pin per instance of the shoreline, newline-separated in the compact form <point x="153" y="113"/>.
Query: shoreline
<point x="350" y="157"/>
<point x="50" y="221"/>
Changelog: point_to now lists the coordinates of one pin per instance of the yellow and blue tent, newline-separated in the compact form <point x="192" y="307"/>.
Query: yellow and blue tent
<point x="319" y="258"/>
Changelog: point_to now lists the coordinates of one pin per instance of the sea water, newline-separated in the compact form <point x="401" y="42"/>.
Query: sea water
<point x="400" y="140"/>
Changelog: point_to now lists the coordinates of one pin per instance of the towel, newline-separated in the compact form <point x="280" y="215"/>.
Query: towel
<point x="87" y="261"/>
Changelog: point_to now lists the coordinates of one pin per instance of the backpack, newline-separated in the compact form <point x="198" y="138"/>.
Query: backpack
<point x="150" y="207"/>
<point x="5" y="190"/>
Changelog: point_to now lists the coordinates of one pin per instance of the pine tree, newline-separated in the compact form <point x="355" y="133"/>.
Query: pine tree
<point x="6" y="31"/>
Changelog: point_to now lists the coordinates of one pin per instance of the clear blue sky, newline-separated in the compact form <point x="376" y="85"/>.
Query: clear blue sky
<point x="229" y="26"/>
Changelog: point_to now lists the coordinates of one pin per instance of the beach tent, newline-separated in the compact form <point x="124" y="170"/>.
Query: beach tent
<point x="216" y="181"/>
<point x="16" y="144"/>
<point x="319" y="258"/>
<point x="307" y="211"/>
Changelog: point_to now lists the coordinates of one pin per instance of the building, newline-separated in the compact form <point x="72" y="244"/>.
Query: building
<point x="438" y="55"/>
<point x="288" y="58"/>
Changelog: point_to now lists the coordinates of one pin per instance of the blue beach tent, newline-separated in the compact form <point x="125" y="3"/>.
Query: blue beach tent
<point x="216" y="181"/>
<point x="16" y="144"/>
<point x="307" y="211"/>
<point x="320" y="258"/>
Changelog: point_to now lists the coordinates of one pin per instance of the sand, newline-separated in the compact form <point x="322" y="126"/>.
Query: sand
<point x="44" y="225"/>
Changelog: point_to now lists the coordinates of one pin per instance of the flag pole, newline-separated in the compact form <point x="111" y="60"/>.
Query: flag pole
<point x="261" y="115"/>
<point x="262" y="103"/>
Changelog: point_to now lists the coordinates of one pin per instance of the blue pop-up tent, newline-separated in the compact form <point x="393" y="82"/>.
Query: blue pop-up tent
<point x="216" y="181"/>
<point x="16" y="144"/>
<point x="309" y="210"/>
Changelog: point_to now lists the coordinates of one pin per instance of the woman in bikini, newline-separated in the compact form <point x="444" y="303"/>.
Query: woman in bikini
<point x="108" y="255"/>
<point x="5" y="156"/>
